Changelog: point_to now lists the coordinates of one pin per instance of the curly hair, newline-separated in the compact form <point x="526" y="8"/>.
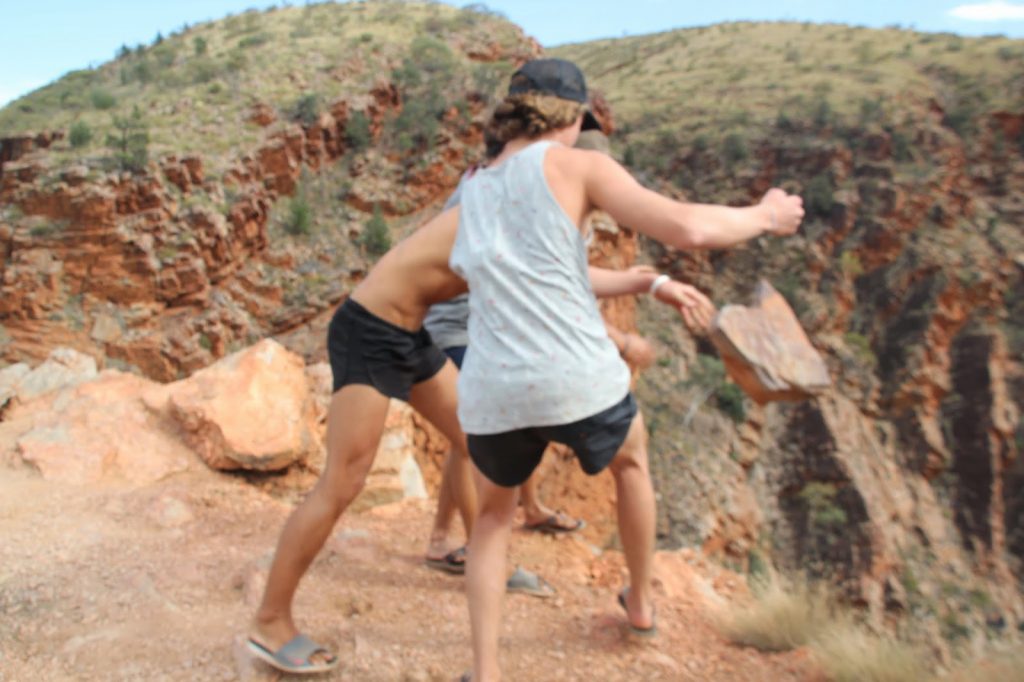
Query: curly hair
<point x="528" y="114"/>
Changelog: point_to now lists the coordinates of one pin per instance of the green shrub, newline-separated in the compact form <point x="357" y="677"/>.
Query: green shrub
<point x="376" y="237"/>
<point x="130" y="141"/>
<point x="306" y="108"/>
<point x="823" y="115"/>
<point x="143" y="71"/>
<point x="80" y="134"/>
<point x="870" y="111"/>
<point x="165" y="56"/>
<point x="199" y="46"/>
<point x="102" y="100"/>
<point x="202" y="70"/>
<point x="236" y="61"/>
<point x="820" y="501"/>
<point x="357" y="131"/>
<point x="902" y="148"/>
<point x="819" y="196"/>
<point x="254" y="40"/>
<point x="729" y="399"/>
<point x="300" y="217"/>
<point x="849" y="263"/>
<point x="734" y="148"/>
<point x="861" y="346"/>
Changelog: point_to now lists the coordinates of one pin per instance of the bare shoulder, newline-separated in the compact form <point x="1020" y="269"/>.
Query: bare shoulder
<point x="441" y="228"/>
<point x="573" y="159"/>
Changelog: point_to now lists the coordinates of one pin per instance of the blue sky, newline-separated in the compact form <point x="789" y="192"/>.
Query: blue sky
<point x="43" y="39"/>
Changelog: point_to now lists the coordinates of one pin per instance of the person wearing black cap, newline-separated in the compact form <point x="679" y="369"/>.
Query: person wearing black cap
<point x="541" y="367"/>
<point x="378" y="349"/>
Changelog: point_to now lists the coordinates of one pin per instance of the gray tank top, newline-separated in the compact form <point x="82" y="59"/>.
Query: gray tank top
<point x="539" y="352"/>
<point x="446" y="321"/>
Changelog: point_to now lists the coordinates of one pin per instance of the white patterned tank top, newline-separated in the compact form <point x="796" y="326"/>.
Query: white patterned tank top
<point x="539" y="354"/>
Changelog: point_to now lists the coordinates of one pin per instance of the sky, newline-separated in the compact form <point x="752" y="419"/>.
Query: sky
<point x="43" y="39"/>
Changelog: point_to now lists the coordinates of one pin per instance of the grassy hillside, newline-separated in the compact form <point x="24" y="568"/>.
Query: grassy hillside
<point x="699" y="86"/>
<point x="195" y="87"/>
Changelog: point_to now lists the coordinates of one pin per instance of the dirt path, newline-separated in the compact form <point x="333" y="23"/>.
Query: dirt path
<point x="157" y="583"/>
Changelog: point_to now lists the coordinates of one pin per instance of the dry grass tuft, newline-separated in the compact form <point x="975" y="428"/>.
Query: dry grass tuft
<point x="849" y="653"/>
<point x="1005" y="668"/>
<point x="779" y="619"/>
<point x="787" y="617"/>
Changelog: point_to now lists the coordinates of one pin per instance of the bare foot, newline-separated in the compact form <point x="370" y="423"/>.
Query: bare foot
<point x="639" y="611"/>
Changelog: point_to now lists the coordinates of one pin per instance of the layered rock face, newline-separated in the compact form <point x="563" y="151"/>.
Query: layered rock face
<point x="165" y="270"/>
<point x="902" y="482"/>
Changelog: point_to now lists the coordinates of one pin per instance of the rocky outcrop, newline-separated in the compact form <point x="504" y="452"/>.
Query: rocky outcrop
<point x="77" y="427"/>
<point x="163" y="271"/>
<point x="261" y="410"/>
<point x="13" y="148"/>
<point x="902" y="482"/>
<point x="252" y="410"/>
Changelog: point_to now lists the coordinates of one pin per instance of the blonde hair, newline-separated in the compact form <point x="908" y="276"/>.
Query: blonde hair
<point x="529" y="114"/>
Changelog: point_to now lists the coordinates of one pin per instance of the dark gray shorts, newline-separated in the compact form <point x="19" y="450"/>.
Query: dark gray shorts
<point x="508" y="458"/>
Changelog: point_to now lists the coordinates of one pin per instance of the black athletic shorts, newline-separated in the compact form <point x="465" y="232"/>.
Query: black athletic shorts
<point x="456" y="353"/>
<point x="508" y="458"/>
<point x="364" y="349"/>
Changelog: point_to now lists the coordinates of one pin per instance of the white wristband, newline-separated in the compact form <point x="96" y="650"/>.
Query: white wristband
<point x="658" y="281"/>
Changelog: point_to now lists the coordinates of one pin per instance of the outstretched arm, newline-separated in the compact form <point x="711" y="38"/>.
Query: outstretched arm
<point x="607" y="283"/>
<point x="697" y="310"/>
<point x="611" y="188"/>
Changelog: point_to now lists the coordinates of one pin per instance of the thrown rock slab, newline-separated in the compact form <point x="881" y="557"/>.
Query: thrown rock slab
<point x="766" y="351"/>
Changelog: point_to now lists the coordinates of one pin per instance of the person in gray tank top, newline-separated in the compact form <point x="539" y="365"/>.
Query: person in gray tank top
<point x="542" y="369"/>
<point x="447" y="323"/>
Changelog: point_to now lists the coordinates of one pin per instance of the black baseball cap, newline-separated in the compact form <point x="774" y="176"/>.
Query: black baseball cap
<point x="556" y="77"/>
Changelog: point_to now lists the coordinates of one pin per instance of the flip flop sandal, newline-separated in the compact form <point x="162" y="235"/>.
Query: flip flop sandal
<point x="556" y="524"/>
<point x="295" y="656"/>
<point x="646" y="633"/>
<point x="526" y="582"/>
<point x="454" y="562"/>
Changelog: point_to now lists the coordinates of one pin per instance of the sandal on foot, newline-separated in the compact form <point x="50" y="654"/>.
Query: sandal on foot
<point x="646" y="633"/>
<point x="454" y="562"/>
<point x="295" y="656"/>
<point x="526" y="582"/>
<point x="557" y="523"/>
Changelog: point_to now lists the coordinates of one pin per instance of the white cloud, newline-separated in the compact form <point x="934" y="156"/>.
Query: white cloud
<point x="997" y="10"/>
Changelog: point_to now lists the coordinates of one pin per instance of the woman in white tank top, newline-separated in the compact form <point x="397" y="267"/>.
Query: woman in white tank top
<point x="541" y="366"/>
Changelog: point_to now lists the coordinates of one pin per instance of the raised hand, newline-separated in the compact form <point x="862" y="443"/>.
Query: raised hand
<point x="786" y="211"/>
<point x="697" y="310"/>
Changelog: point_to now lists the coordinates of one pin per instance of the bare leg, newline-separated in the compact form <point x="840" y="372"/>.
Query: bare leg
<point x="437" y="399"/>
<point x="355" y="423"/>
<point x="485" y="574"/>
<point x="537" y="513"/>
<point x="636" y="512"/>
<point x="440" y="533"/>
<point x="535" y="510"/>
